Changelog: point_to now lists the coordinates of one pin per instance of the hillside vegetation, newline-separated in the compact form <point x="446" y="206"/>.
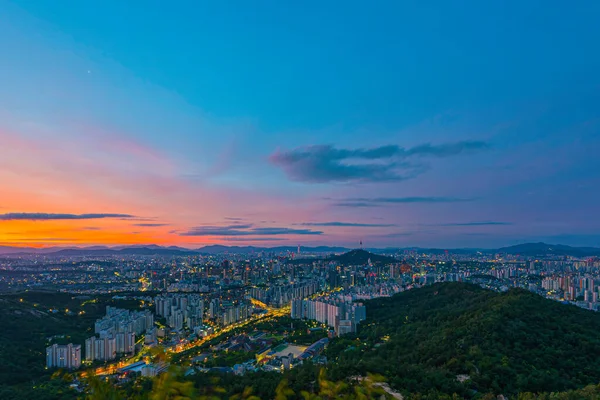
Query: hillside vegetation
<point x="445" y="341"/>
<point x="28" y="326"/>
<point x="503" y="343"/>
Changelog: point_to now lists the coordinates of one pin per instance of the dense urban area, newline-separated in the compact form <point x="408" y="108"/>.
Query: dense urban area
<point x="134" y="315"/>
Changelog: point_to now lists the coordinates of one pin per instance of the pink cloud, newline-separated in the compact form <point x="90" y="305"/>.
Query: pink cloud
<point x="85" y="174"/>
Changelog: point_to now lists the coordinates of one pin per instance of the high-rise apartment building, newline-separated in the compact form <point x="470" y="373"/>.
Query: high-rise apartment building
<point x="103" y="349"/>
<point x="65" y="356"/>
<point x="330" y="311"/>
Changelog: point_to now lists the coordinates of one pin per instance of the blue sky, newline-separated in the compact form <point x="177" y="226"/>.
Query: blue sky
<point x="458" y="124"/>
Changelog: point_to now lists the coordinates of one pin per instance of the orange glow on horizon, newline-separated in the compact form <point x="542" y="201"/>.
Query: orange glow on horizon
<point x="102" y="173"/>
<point x="42" y="234"/>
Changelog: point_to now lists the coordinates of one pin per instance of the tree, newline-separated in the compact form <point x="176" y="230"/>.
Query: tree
<point x="167" y="386"/>
<point x="283" y="391"/>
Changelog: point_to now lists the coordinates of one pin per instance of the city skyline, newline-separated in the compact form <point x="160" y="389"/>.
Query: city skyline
<point x="267" y="125"/>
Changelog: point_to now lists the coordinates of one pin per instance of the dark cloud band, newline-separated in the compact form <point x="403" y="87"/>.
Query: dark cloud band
<point x="479" y="223"/>
<point x="246" y="230"/>
<point x="379" y="201"/>
<point x="345" y="224"/>
<point x="150" y="225"/>
<point x="49" y="217"/>
<point x="325" y="163"/>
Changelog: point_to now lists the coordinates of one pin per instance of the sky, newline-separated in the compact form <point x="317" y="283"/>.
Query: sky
<point x="413" y="123"/>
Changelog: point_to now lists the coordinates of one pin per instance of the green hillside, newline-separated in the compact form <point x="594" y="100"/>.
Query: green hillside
<point x="28" y="326"/>
<point x="420" y="342"/>
<point x="506" y="343"/>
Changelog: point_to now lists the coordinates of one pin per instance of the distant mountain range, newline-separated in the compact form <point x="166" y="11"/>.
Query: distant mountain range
<point x="219" y="249"/>
<point x="536" y="249"/>
<point x="360" y="257"/>
<point x="527" y="249"/>
<point x="154" y="250"/>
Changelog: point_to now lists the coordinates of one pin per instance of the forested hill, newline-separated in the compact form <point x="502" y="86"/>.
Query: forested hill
<point x="506" y="343"/>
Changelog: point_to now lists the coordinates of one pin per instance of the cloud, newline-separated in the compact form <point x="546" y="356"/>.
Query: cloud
<point x="246" y="230"/>
<point x="379" y="201"/>
<point x="48" y="217"/>
<point x="233" y="219"/>
<point x="49" y="239"/>
<point x="148" y="225"/>
<point x="479" y="223"/>
<point x="445" y="150"/>
<point x="325" y="163"/>
<point x="285" y="231"/>
<point x="349" y="224"/>
<point x="357" y="204"/>
<point x="250" y="240"/>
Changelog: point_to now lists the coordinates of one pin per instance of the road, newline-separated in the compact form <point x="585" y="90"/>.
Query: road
<point x="175" y="349"/>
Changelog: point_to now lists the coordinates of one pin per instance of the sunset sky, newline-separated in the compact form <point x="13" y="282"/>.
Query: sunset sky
<point x="417" y="123"/>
